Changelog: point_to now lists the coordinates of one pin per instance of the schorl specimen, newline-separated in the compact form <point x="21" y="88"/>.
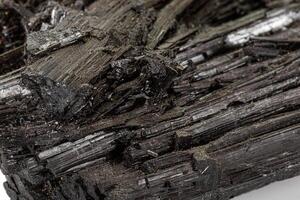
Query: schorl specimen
<point x="148" y="99"/>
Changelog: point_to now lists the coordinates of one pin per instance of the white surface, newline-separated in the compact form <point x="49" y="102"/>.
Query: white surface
<point x="288" y="190"/>
<point x="284" y="190"/>
<point x="3" y="195"/>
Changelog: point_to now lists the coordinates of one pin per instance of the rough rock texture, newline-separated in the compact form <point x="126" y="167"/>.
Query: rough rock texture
<point x="148" y="99"/>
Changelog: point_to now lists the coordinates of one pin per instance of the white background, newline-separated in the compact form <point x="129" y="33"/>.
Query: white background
<point x="285" y="190"/>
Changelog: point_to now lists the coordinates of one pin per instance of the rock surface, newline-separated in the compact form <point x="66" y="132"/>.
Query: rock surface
<point x="150" y="99"/>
